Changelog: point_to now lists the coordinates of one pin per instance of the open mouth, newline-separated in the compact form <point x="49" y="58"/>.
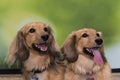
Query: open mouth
<point x="40" y="47"/>
<point x="88" y="51"/>
<point x="95" y="53"/>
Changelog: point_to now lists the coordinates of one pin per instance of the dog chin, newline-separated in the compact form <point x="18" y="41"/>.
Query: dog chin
<point x="41" y="47"/>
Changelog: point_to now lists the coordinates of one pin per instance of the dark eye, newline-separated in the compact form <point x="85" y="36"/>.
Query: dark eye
<point x="45" y="29"/>
<point x="98" y="34"/>
<point x="32" y="30"/>
<point x="85" y="35"/>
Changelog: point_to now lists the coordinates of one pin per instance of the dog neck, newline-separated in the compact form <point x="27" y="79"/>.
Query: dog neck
<point x="37" y="62"/>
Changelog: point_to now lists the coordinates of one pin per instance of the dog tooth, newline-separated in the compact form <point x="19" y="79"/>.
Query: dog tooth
<point x="87" y="49"/>
<point x="36" y="45"/>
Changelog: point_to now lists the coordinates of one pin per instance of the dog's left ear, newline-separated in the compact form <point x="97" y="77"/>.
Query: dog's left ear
<point x="102" y="48"/>
<point x="54" y="49"/>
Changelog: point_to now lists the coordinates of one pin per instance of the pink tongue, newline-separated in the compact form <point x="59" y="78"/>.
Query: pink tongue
<point x="97" y="57"/>
<point x="43" y="47"/>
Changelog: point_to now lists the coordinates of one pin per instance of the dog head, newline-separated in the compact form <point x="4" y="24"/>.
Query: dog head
<point x="85" y="42"/>
<point x="36" y="37"/>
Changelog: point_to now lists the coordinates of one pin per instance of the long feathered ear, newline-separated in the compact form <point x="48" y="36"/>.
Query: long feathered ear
<point x="54" y="49"/>
<point x="56" y="57"/>
<point x="102" y="49"/>
<point x="22" y="50"/>
<point x="17" y="50"/>
<point x="53" y="45"/>
<point x="68" y="48"/>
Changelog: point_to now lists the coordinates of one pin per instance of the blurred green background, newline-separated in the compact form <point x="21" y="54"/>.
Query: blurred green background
<point x="63" y="15"/>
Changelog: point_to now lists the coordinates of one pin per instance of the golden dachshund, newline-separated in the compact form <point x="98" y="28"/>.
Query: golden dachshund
<point x="83" y="49"/>
<point x="35" y="48"/>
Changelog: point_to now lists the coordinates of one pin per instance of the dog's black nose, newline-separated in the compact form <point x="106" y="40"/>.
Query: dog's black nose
<point x="45" y="37"/>
<point x="99" y="41"/>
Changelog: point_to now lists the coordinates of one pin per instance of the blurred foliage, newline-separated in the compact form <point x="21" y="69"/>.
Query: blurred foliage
<point x="64" y="15"/>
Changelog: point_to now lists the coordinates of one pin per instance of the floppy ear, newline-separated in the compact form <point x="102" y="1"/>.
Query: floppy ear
<point x="102" y="49"/>
<point x="56" y="57"/>
<point x="54" y="49"/>
<point x="22" y="49"/>
<point x="17" y="50"/>
<point x="68" y="48"/>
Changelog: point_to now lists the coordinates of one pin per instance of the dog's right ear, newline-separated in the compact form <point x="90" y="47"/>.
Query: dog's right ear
<point x="68" y="48"/>
<point x="18" y="50"/>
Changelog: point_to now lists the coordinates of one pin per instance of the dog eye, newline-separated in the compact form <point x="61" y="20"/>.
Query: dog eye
<point x="98" y="34"/>
<point x="45" y="29"/>
<point x="85" y="35"/>
<point x="32" y="30"/>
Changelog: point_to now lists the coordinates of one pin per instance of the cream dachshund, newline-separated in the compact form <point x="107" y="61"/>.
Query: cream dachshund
<point x="83" y="49"/>
<point x="36" y="50"/>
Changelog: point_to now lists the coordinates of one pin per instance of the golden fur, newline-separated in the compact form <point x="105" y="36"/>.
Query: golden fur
<point x="80" y="63"/>
<point x="36" y="49"/>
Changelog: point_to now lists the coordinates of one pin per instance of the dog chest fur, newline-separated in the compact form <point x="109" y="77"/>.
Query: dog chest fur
<point x="36" y="61"/>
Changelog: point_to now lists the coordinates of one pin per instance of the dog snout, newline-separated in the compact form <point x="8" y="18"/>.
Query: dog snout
<point x="99" y="41"/>
<point x="45" y="37"/>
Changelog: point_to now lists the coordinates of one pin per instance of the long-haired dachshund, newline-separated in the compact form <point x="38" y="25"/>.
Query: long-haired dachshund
<point x="37" y="51"/>
<point x="84" y="52"/>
